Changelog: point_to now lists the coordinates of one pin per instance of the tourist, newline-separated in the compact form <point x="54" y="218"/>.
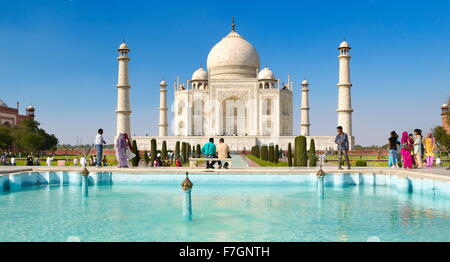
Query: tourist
<point x="178" y="162"/>
<point x="418" y="148"/>
<point x="75" y="161"/>
<point x="99" y="142"/>
<point x="406" y="150"/>
<point x="438" y="162"/>
<point x="411" y="142"/>
<point x="429" y="148"/>
<point x="157" y="162"/>
<point x="49" y="160"/>
<point x="30" y="160"/>
<point x="83" y="161"/>
<point x="93" y="161"/>
<point x="13" y="160"/>
<point x="422" y="148"/>
<point x="343" y="145"/>
<point x="122" y="145"/>
<point x="209" y="150"/>
<point x="223" y="151"/>
<point x="392" y="146"/>
<point x="105" y="161"/>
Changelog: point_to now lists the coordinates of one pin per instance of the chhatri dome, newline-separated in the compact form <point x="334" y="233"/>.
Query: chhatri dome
<point x="3" y="103"/>
<point x="305" y="82"/>
<point x="200" y="74"/>
<point x="233" y="57"/>
<point x="266" y="74"/>
<point x="344" y="44"/>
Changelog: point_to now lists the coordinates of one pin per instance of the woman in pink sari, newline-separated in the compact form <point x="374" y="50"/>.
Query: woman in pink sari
<point x="121" y="145"/>
<point x="406" y="151"/>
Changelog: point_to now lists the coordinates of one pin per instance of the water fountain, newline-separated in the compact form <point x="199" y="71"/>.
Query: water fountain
<point x="187" y="203"/>
<point x="85" y="182"/>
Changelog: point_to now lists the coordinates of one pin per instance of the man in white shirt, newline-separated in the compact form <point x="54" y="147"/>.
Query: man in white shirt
<point x="83" y="161"/>
<point x="75" y="161"/>
<point x="13" y="161"/>
<point x="99" y="142"/>
<point x="49" y="161"/>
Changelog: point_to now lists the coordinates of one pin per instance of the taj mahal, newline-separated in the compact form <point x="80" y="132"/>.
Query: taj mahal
<point x="234" y="98"/>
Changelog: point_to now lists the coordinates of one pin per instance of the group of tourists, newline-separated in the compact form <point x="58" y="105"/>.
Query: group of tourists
<point x="415" y="148"/>
<point x="211" y="151"/>
<point x="7" y="158"/>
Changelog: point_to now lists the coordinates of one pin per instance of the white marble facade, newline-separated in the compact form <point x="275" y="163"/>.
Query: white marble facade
<point x="232" y="98"/>
<point x="235" y="99"/>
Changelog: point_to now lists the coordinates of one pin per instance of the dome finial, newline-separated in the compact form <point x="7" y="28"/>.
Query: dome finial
<point x="233" y="25"/>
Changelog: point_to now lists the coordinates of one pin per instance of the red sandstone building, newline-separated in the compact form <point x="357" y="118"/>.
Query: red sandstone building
<point x="444" y="115"/>
<point x="10" y="116"/>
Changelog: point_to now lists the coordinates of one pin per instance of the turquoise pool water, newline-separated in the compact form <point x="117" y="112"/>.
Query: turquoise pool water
<point x="123" y="207"/>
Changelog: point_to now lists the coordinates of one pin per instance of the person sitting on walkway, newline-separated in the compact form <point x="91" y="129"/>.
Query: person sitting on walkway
<point x="223" y="151"/>
<point x="209" y="150"/>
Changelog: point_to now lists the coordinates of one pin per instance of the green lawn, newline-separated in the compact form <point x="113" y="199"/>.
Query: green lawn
<point x="266" y="163"/>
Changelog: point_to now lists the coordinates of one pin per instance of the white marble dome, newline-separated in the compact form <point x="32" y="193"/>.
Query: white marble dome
<point x="305" y="82"/>
<point x="266" y="74"/>
<point x="443" y="106"/>
<point x="163" y="83"/>
<point x="3" y="103"/>
<point x="233" y="56"/>
<point x="200" y="74"/>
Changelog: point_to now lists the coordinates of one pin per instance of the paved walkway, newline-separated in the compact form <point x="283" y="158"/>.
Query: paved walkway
<point x="238" y="161"/>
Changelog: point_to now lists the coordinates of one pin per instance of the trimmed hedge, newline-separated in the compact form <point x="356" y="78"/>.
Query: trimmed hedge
<point x="312" y="154"/>
<point x="271" y="150"/>
<point x="264" y="153"/>
<point x="289" y="154"/>
<point x="135" y="160"/>
<point x="164" y="150"/>
<point x="301" y="157"/>
<point x="361" y="163"/>
<point x="153" y="152"/>
<point x="275" y="154"/>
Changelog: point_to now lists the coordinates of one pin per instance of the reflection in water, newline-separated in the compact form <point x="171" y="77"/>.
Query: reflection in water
<point x="320" y="191"/>
<point x="85" y="186"/>
<point x="187" y="205"/>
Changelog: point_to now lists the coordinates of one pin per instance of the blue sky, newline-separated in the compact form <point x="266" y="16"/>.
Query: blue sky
<point x="61" y="57"/>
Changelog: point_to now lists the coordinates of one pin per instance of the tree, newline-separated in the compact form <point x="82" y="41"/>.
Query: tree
<point x="312" y="153"/>
<point x="442" y="138"/>
<point x="275" y="154"/>
<point x="177" y="149"/>
<point x="183" y="152"/>
<point x="135" y="160"/>
<point x="153" y="151"/>
<point x="146" y="158"/>
<point x="300" y="151"/>
<point x="198" y="151"/>
<point x="6" y="139"/>
<point x="289" y="154"/>
<point x="264" y="153"/>
<point x="28" y="136"/>
<point x="164" y="150"/>
<point x="271" y="150"/>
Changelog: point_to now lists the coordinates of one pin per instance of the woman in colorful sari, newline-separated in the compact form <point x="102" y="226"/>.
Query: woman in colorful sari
<point x="429" y="148"/>
<point x="121" y="145"/>
<point x="406" y="151"/>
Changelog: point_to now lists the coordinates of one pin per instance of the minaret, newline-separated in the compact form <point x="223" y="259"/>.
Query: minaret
<point x="344" y="109"/>
<point x="163" y="109"/>
<point x="123" y="92"/>
<point x="304" y="109"/>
